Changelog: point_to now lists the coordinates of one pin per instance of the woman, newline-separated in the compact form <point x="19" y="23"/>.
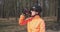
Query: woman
<point x="34" y="23"/>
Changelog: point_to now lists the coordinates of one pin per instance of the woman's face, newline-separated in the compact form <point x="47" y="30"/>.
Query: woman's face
<point x="33" y="13"/>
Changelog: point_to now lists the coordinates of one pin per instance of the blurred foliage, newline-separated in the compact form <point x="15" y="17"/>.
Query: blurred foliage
<point x="13" y="8"/>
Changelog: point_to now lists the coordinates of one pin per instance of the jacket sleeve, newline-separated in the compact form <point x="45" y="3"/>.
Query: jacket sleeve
<point x="42" y="26"/>
<point x="22" y="20"/>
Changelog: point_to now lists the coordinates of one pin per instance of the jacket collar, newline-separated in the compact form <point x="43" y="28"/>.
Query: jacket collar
<point x="36" y="17"/>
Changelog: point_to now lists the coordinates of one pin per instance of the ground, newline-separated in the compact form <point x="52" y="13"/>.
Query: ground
<point x="8" y="25"/>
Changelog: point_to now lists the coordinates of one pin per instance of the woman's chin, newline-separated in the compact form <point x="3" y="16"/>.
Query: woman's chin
<point x="32" y="15"/>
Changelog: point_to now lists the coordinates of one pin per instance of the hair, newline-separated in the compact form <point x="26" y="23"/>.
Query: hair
<point x="37" y="9"/>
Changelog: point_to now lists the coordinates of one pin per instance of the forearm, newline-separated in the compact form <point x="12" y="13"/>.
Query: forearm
<point x="21" y="19"/>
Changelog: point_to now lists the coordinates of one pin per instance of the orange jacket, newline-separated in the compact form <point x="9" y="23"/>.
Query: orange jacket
<point x="34" y="24"/>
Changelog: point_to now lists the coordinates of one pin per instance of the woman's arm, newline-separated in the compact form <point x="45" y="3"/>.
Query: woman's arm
<point x="42" y="26"/>
<point x="22" y="20"/>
